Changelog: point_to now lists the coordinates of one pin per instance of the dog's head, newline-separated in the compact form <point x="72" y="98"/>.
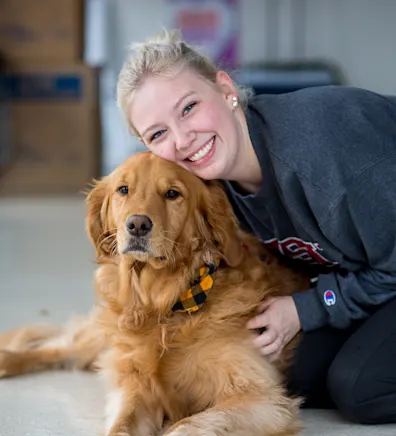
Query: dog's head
<point x="154" y="211"/>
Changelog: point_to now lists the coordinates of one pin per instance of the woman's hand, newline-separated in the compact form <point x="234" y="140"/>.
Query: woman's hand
<point x="280" y="319"/>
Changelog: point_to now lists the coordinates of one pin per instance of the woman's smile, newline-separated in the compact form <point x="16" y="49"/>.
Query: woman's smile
<point x="203" y="154"/>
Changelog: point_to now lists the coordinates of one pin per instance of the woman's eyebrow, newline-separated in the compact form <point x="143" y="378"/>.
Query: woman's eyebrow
<point x="187" y="94"/>
<point x="154" y="126"/>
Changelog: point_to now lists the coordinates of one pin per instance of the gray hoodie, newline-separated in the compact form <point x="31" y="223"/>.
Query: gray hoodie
<point x="328" y="196"/>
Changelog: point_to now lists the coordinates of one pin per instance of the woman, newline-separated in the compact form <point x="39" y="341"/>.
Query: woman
<point x="313" y="174"/>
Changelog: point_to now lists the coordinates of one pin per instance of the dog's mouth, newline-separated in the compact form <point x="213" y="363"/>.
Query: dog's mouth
<point x="136" y="246"/>
<point x="140" y="249"/>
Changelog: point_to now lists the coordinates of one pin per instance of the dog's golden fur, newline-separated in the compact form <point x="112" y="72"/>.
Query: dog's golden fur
<point x="200" y="371"/>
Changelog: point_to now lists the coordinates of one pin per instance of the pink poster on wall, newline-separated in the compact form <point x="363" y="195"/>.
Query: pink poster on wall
<point x="213" y="25"/>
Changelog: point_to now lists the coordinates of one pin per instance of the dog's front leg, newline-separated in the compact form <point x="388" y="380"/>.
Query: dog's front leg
<point x="243" y="415"/>
<point x="133" y="410"/>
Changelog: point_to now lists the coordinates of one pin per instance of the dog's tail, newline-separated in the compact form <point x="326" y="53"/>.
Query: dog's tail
<point x="29" y="349"/>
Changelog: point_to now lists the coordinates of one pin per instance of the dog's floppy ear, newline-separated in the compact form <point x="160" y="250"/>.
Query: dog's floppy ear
<point x="219" y="215"/>
<point x="97" y="220"/>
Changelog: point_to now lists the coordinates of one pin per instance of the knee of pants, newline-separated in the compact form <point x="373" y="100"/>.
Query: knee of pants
<point x="342" y="387"/>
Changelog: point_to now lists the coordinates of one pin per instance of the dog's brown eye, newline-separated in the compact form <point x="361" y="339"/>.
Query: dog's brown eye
<point x="123" y="190"/>
<point x="172" y="194"/>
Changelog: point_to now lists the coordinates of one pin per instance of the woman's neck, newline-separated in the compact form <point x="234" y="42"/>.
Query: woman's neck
<point x="247" y="172"/>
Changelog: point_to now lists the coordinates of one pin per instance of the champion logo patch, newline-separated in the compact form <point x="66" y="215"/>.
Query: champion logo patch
<point x="329" y="298"/>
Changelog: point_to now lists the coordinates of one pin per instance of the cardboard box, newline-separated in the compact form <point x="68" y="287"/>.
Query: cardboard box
<point x="41" y="29"/>
<point x="55" y="129"/>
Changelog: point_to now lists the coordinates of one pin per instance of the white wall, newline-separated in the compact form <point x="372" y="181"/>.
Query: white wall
<point x="360" y="35"/>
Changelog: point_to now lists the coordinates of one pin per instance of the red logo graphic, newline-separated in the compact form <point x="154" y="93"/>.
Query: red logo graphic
<point x="298" y="249"/>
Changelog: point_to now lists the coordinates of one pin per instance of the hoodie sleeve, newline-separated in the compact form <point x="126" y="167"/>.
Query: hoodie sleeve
<point x="364" y="219"/>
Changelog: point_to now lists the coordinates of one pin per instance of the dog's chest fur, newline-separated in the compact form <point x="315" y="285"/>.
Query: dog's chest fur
<point x="196" y="358"/>
<point x="185" y="353"/>
<point x="186" y="356"/>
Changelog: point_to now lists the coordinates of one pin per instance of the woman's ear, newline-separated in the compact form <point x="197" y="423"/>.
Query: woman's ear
<point x="223" y="225"/>
<point x="97" y="220"/>
<point x="225" y="83"/>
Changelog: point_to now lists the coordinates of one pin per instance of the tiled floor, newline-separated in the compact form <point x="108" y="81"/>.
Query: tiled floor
<point x="46" y="267"/>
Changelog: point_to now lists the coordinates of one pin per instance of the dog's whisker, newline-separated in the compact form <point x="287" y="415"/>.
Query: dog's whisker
<point x="165" y="250"/>
<point x="113" y="235"/>
<point x="100" y="241"/>
<point x="174" y="242"/>
<point x="168" y="250"/>
<point x="171" y="240"/>
<point x="107" y="231"/>
<point x="113" y="248"/>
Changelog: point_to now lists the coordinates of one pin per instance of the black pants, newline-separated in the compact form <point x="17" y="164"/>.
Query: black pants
<point x="352" y="370"/>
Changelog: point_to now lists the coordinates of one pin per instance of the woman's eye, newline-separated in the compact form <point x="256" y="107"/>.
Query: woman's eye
<point x="123" y="190"/>
<point x="172" y="194"/>
<point x="188" y="108"/>
<point x="157" y="135"/>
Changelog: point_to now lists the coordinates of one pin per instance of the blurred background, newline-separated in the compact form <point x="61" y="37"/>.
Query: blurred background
<point x="60" y="127"/>
<point x="59" y="60"/>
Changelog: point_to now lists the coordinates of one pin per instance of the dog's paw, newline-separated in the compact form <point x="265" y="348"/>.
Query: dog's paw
<point x="125" y="433"/>
<point x="6" y="358"/>
<point x="118" y="433"/>
<point x="181" y="430"/>
<point x="187" y="430"/>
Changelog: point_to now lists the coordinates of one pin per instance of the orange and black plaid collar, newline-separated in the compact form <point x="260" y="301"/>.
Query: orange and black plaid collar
<point x="196" y="295"/>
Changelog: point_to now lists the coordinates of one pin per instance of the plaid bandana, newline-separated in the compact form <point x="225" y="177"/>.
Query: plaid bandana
<point x="196" y="296"/>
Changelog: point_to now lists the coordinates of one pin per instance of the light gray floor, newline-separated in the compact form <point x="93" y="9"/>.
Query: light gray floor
<point x="46" y="267"/>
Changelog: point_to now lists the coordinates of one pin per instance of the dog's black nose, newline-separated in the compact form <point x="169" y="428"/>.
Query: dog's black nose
<point x="139" y="225"/>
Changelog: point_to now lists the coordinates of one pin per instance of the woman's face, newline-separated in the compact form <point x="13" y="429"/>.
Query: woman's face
<point x="191" y="121"/>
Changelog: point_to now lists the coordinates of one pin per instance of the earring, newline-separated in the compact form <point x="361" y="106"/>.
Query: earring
<point x="235" y="101"/>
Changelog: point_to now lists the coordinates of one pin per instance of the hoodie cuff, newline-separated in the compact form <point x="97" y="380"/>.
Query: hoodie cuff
<point x="311" y="312"/>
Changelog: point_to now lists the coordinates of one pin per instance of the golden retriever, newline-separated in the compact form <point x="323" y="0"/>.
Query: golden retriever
<point x="176" y="284"/>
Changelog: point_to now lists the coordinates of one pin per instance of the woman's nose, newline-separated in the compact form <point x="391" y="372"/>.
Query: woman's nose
<point x="183" y="139"/>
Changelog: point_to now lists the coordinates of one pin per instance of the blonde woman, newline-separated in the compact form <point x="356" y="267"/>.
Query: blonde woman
<point x="313" y="174"/>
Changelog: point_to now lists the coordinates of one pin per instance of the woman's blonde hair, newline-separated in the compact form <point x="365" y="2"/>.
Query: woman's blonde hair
<point x="159" y="56"/>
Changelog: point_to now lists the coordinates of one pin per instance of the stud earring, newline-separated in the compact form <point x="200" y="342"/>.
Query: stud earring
<point x="235" y="101"/>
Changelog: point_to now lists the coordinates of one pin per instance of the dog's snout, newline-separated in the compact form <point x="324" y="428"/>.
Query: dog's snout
<point x="139" y="225"/>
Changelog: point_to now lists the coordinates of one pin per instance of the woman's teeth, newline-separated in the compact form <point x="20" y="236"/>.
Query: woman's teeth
<point x="203" y="152"/>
